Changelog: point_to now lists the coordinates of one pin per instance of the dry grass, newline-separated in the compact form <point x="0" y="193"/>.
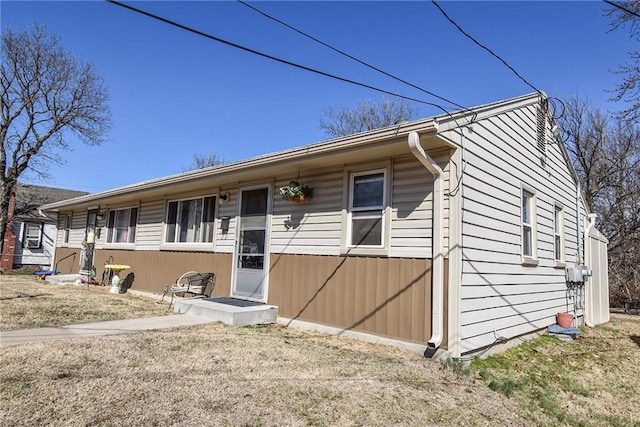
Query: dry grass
<point x="29" y="303"/>
<point x="592" y="381"/>
<point x="217" y="375"/>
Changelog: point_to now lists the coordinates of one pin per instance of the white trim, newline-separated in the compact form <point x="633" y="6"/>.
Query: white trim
<point x="267" y="240"/>
<point x="455" y="257"/>
<point x="24" y="239"/>
<point x="529" y="259"/>
<point x="198" y="245"/>
<point x="559" y="232"/>
<point x="121" y="245"/>
<point x="349" y="174"/>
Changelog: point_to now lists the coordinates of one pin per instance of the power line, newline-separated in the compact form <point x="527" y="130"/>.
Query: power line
<point x="495" y="55"/>
<point x="622" y="8"/>
<point x="273" y="58"/>
<point x="266" y="15"/>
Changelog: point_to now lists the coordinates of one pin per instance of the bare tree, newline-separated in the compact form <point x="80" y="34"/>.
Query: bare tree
<point x="367" y="115"/>
<point x="629" y="89"/>
<point x="48" y="97"/>
<point x="606" y="155"/>
<point x="201" y="161"/>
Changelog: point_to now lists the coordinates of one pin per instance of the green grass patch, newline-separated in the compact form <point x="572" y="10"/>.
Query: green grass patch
<point x="574" y="383"/>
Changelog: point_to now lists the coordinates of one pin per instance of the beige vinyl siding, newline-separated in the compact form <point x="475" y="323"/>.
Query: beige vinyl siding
<point x="76" y="231"/>
<point x="150" y="225"/>
<point x="313" y="227"/>
<point x="500" y="297"/>
<point x="225" y="241"/>
<point x="412" y="207"/>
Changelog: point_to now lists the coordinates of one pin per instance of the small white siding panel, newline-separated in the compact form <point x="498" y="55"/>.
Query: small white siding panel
<point x="313" y="227"/>
<point x="501" y="297"/>
<point x="78" y="226"/>
<point x="227" y="211"/>
<point x="412" y="207"/>
<point x="150" y="222"/>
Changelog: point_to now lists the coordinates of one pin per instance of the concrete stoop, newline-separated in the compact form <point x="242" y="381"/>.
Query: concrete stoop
<point x="230" y="311"/>
<point x="63" y="279"/>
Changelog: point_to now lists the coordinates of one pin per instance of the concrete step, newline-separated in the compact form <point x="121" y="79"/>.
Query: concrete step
<point x="63" y="279"/>
<point x="230" y="311"/>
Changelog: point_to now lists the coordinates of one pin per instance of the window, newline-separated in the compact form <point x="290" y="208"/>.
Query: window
<point x="122" y="225"/>
<point x="528" y="225"/>
<point x="32" y="235"/>
<point x="191" y="221"/>
<point x="366" y="209"/>
<point x="558" y="234"/>
<point x="67" y="228"/>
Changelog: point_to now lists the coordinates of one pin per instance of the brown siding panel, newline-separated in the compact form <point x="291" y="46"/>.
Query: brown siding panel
<point x="390" y="297"/>
<point x="152" y="270"/>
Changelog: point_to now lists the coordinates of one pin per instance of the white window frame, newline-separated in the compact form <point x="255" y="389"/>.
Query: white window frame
<point x="347" y="246"/>
<point x="132" y="229"/>
<point x="558" y="235"/>
<point x="26" y="238"/>
<point x="529" y="224"/>
<point x="199" y="244"/>
<point x="68" y="218"/>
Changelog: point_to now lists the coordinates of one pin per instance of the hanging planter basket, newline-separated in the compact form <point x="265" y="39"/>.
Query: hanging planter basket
<point x="296" y="192"/>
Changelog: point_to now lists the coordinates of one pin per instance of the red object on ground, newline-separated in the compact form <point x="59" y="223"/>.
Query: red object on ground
<point x="564" y="320"/>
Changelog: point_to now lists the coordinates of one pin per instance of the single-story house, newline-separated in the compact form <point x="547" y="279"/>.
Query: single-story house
<point x="453" y="232"/>
<point x="28" y="241"/>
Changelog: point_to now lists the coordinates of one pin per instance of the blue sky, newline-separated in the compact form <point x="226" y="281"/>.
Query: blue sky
<point x="175" y="94"/>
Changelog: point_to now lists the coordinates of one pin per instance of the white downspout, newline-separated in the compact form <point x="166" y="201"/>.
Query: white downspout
<point x="578" y="223"/>
<point x="437" y="271"/>
<point x="588" y="307"/>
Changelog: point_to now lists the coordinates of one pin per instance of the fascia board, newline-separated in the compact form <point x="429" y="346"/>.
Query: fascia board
<point x="325" y="148"/>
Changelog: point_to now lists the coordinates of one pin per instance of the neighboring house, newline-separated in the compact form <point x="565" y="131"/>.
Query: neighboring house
<point x="451" y="232"/>
<point x="29" y="241"/>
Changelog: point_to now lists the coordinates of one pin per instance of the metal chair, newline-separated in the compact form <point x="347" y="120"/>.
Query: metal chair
<point x="193" y="284"/>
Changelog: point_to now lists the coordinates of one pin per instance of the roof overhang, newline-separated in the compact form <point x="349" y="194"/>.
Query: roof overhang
<point x="378" y="144"/>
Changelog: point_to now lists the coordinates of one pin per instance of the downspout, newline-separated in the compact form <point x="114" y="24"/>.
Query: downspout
<point x="588" y="308"/>
<point x="437" y="271"/>
<point x="578" y="223"/>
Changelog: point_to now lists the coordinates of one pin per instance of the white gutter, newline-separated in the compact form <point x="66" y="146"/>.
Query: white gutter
<point x="588" y="307"/>
<point x="437" y="271"/>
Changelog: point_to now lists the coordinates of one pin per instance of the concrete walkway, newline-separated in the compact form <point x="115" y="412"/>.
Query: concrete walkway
<point x="25" y="336"/>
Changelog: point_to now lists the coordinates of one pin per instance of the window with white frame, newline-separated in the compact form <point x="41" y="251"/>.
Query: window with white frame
<point x="528" y="224"/>
<point x="558" y="233"/>
<point x="32" y="235"/>
<point x="366" y="209"/>
<point x="190" y="220"/>
<point x="67" y="227"/>
<point x="121" y="225"/>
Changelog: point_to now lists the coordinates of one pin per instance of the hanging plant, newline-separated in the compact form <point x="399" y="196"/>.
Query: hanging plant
<point x="296" y="192"/>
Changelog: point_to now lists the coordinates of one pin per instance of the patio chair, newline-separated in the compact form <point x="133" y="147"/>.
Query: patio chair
<point x="193" y="284"/>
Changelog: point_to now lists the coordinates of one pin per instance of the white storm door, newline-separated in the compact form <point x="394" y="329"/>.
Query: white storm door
<point x="252" y="245"/>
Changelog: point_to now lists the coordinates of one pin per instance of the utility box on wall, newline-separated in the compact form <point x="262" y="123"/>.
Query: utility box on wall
<point x="576" y="274"/>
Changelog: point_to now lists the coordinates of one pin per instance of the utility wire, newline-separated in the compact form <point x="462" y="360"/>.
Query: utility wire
<point x="348" y="55"/>
<point x="274" y="58"/>
<point x="619" y="6"/>
<point x="495" y="55"/>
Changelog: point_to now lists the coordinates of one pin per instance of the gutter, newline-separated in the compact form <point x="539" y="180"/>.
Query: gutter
<point x="326" y="148"/>
<point x="588" y="308"/>
<point x="437" y="272"/>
